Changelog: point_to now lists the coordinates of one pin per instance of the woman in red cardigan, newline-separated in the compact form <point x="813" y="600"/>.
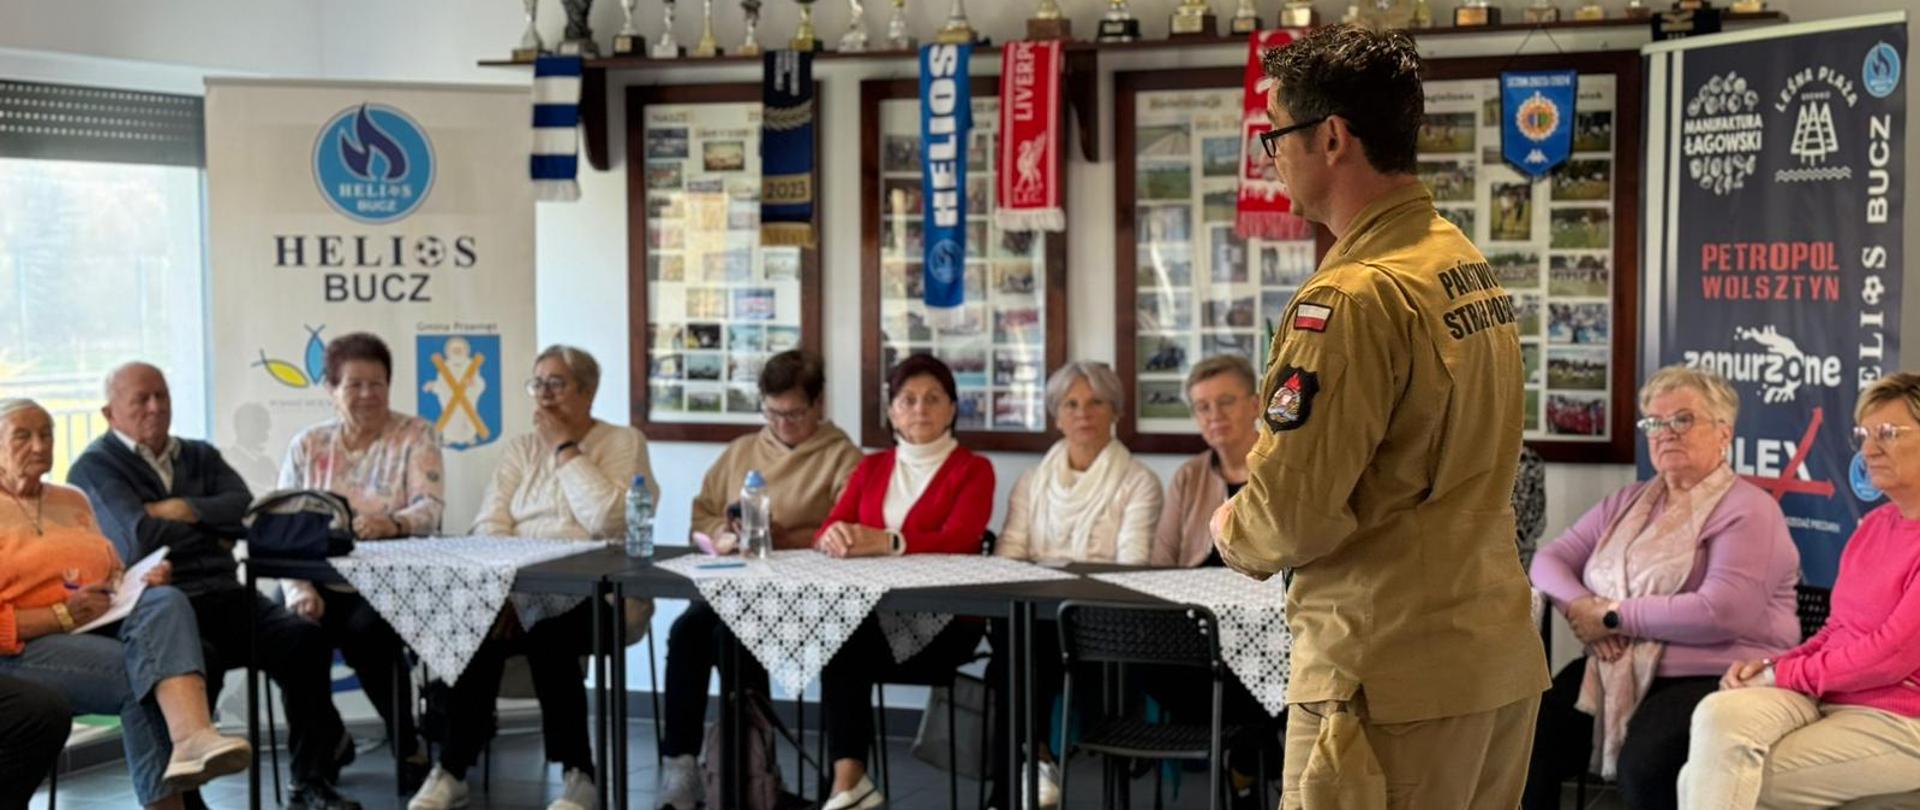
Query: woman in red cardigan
<point x="926" y="496"/>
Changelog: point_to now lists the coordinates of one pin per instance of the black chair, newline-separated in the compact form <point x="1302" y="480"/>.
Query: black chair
<point x="1115" y="636"/>
<point x="1812" y="604"/>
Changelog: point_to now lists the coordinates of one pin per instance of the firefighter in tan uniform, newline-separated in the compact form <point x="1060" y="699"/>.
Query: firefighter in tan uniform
<point x="1382" y="478"/>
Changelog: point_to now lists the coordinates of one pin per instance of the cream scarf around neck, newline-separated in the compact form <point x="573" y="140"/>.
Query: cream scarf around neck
<point x="1642" y="554"/>
<point x="1064" y="504"/>
<point x="914" y="466"/>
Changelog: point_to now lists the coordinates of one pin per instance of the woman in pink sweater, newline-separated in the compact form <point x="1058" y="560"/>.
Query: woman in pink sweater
<point x="1837" y="718"/>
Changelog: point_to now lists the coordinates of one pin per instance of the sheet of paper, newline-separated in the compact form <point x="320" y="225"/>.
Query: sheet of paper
<point x="132" y="585"/>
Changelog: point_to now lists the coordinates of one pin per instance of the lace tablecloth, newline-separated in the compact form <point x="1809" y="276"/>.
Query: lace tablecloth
<point x="442" y="594"/>
<point x="1254" y="638"/>
<point x="795" y="609"/>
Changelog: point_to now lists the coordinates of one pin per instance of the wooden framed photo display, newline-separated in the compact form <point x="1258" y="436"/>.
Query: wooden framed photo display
<point x="709" y="301"/>
<point x="1011" y="333"/>
<point x="1564" y="245"/>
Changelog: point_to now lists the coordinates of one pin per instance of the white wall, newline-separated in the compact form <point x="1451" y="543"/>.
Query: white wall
<point x="582" y="246"/>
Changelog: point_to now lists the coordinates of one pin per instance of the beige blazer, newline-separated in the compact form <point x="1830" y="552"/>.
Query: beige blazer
<point x="1182" y="539"/>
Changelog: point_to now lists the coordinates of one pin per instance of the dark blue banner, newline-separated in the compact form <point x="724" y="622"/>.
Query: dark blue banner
<point x="1536" y="119"/>
<point x="1778" y="264"/>
<point x="946" y="116"/>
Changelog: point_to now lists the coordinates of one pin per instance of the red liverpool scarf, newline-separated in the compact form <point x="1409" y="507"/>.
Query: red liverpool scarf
<point x="1261" y="211"/>
<point x="1028" y="174"/>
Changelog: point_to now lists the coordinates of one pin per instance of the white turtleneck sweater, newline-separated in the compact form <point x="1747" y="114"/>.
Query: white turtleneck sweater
<point x="913" y="468"/>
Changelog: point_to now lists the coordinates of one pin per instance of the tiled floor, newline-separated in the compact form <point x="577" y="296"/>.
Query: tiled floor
<point x="519" y="781"/>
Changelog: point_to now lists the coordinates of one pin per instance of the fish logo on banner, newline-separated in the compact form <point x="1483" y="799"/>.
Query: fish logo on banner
<point x="373" y="163"/>
<point x="946" y="116"/>
<point x="293" y="376"/>
<point x="459" y="378"/>
<point x="1537" y="110"/>
<point x="1881" y="70"/>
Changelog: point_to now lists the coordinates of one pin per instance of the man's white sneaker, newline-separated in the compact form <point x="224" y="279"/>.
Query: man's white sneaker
<point x="440" y="791"/>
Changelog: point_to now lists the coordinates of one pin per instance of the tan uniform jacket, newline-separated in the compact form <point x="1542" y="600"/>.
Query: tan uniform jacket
<point x="1384" y="474"/>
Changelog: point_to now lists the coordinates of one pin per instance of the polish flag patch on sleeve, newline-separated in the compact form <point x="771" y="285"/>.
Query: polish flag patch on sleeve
<point x="1312" y="317"/>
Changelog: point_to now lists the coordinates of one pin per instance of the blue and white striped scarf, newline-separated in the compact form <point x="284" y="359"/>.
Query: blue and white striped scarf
<point x="556" y="122"/>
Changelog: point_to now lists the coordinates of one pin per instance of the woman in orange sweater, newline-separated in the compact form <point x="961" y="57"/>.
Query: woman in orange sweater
<point x="57" y="573"/>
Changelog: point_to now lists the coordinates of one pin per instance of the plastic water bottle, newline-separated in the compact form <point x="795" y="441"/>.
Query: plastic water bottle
<point x="756" y="516"/>
<point x="639" y="520"/>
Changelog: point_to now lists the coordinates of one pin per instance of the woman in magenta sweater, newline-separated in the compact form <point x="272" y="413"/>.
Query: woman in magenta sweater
<point x="1837" y="718"/>
<point x="928" y="495"/>
<point x="1666" y="582"/>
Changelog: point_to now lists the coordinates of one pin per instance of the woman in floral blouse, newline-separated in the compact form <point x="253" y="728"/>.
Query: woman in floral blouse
<point x="387" y="465"/>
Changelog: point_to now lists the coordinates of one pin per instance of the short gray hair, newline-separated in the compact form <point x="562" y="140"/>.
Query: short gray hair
<point x="1231" y="364"/>
<point x="585" y="370"/>
<point x="12" y="405"/>
<point x="1714" y="390"/>
<point x="1100" y="376"/>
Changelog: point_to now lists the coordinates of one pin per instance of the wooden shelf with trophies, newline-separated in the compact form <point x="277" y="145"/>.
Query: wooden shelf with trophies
<point x="710" y="300"/>
<point x="1189" y="286"/>
<point x="1009" y="333"/>
<point x="1192" y="25"/>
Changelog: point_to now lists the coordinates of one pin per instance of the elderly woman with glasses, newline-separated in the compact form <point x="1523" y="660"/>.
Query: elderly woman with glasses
<point x="1666" y="582"/>
<point x="805" y="461"/>
<point x="1837" y="718"/>
<point x="567" y="480"/>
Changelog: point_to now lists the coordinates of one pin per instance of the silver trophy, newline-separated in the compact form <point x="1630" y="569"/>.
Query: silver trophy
<point x="578" y="38"/>
<point x="628" y="42"/>
<point x="530" y="45"/>
<point x="899" y="36"/>
<point x="751" y="47"/>
<point x="666" y="47"/>
<point x="855" y="39"/>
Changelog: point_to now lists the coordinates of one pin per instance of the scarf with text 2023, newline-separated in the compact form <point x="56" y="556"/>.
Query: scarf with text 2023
<point x="786" y="149"/>
<point x="946" y="116"/>
<point x="1028" y="169"/>
<point x="1262" y="210"/>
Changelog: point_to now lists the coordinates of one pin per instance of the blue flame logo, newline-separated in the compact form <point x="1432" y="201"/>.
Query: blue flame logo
<point x="1881" y="71"/>
<point x="373" y="163"/>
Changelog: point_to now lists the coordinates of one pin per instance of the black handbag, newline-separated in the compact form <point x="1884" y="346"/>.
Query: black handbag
<point x="300" y="524"/>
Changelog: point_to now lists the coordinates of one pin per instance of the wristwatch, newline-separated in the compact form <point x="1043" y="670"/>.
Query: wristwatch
<point x="64" y="616"/>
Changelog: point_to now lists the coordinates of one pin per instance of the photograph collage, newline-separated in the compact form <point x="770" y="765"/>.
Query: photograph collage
<point x="718" y="305"/>
<point x="1550" y="242"/>
<point x="1200" y="289"/>
<point x="996" y="345"/>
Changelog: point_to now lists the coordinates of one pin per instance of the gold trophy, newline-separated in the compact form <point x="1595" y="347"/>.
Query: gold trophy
<point x="1476" y="13"/>
<point x="1299" y="14"/>
<point x="707" y="47"/>
<point x="1048" y="22"/>
<point x="751" y="47"/>
<point x="1590" y="11"/>
<point x="855" y="39"/>
<point x="803" y="38"/>
<point x="1245" y="19"/>
<point x="1422" y="14"/>
<point x="1748" y="6"/>
<point x="1638" y="10"/>
<point x="957" y="31"/>
<point x="1542" y="11"/>
<point x="1119" y="24"/>
<point x="1193" y="19"/>
<point x="530" y="46"/>
<point x="899" y="37"/>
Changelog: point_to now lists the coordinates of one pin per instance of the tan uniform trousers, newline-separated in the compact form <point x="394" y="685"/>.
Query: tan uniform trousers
<point x="1776" y="748"/>
<point x="1337" y="760"/>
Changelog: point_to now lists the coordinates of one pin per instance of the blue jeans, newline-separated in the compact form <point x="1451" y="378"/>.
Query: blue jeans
<point x="114" y="669"/>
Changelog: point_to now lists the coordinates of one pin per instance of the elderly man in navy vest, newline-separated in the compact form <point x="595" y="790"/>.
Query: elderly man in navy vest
<point x="150" y="489"/>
